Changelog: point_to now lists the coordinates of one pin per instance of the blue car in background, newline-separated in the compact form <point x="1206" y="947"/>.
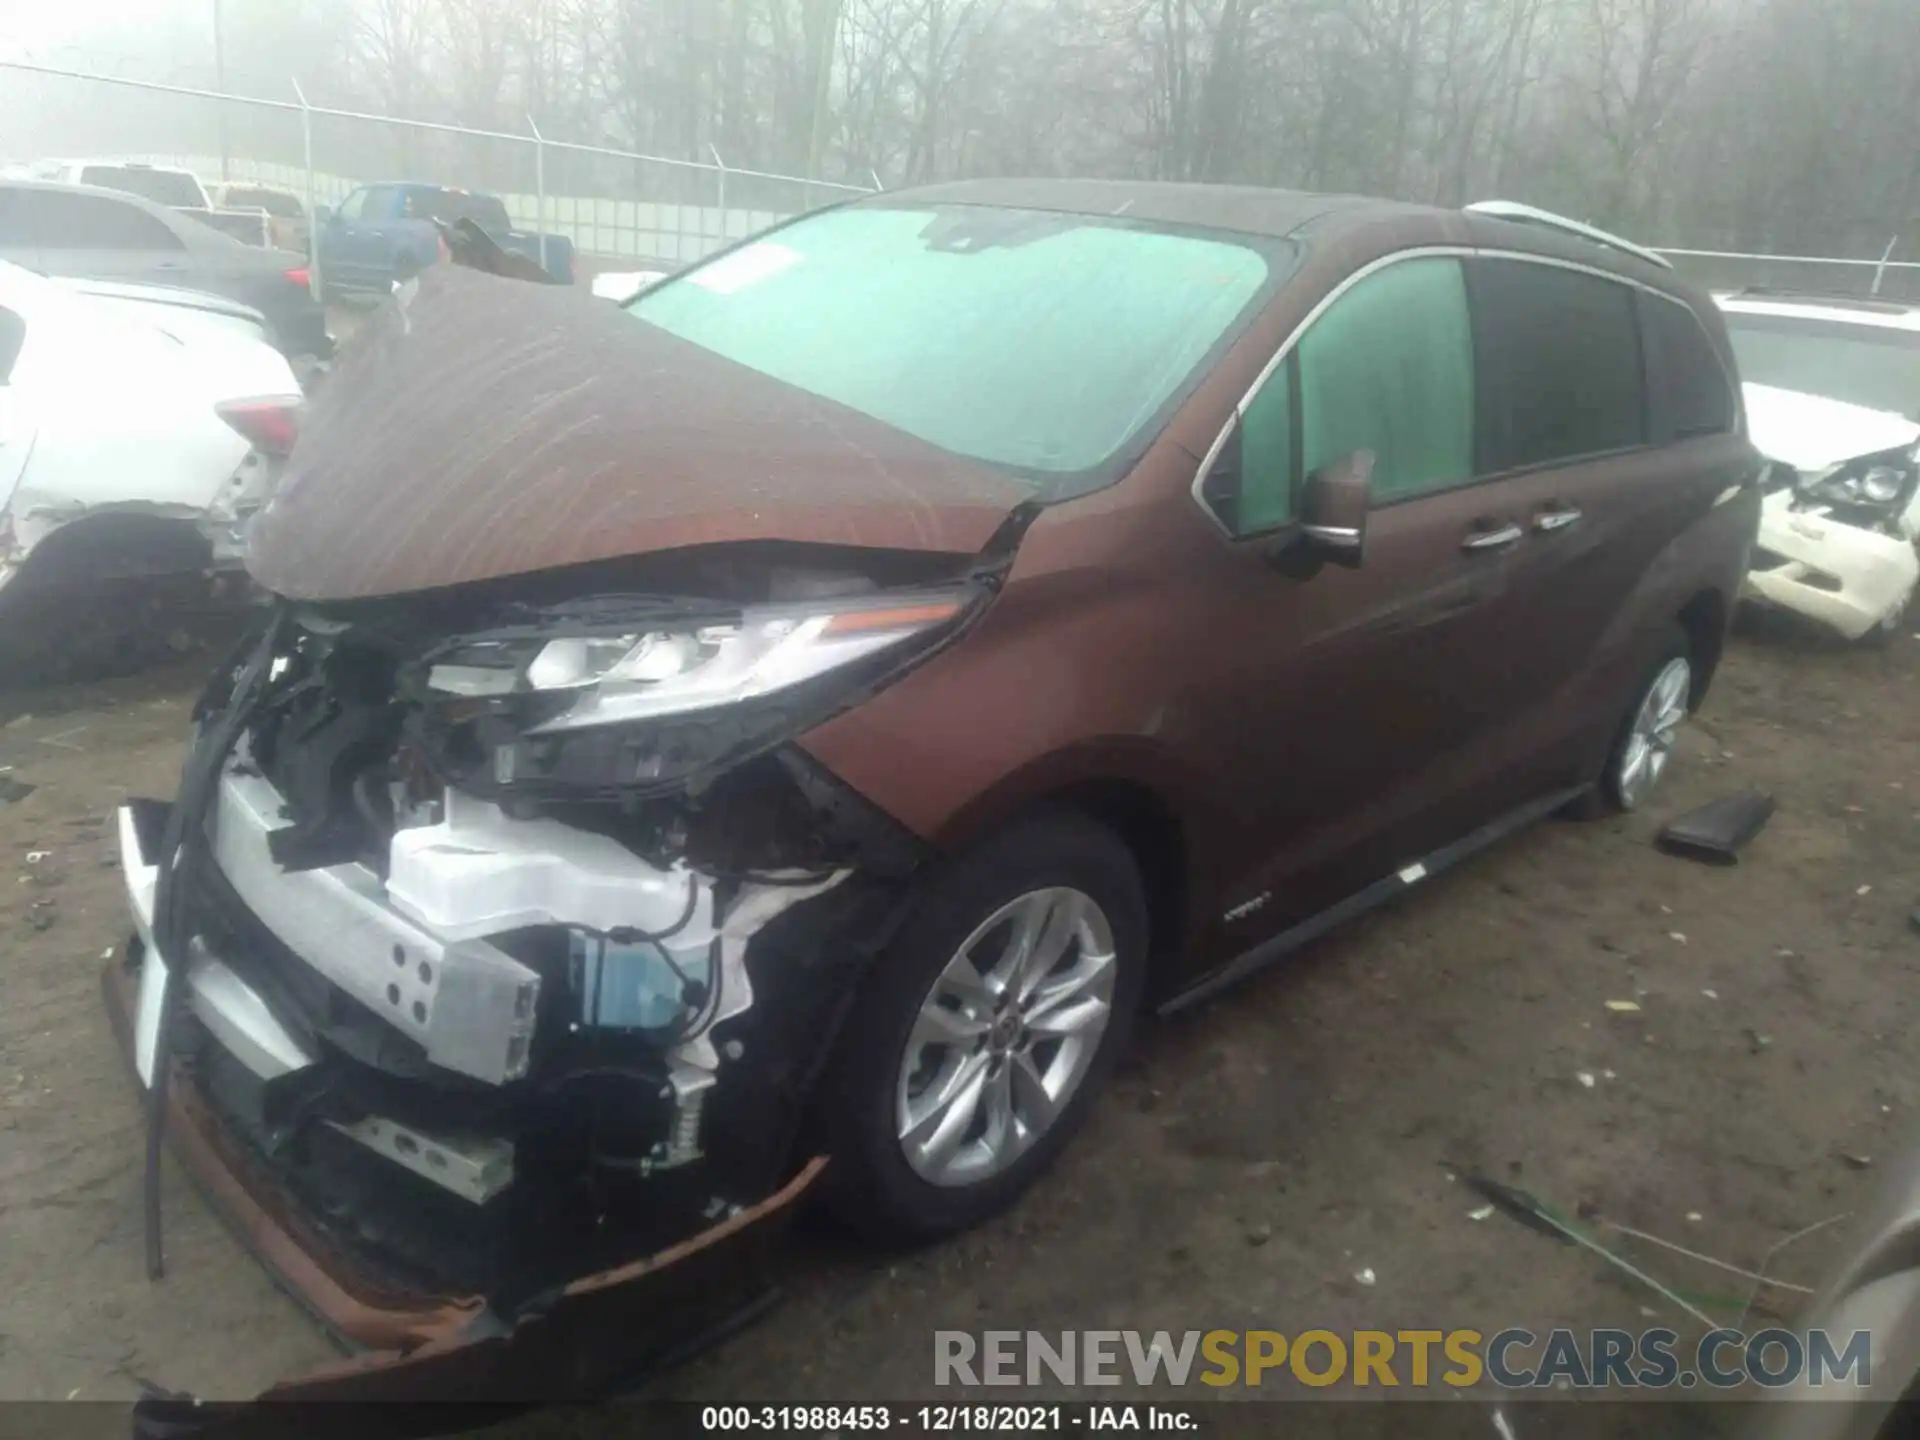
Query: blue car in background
<point x="383" y="233"/>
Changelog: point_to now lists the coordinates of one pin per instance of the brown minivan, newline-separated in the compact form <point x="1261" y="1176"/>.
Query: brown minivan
<point x="805" y="716"/>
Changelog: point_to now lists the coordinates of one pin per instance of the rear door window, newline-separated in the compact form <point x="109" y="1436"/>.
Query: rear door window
<point x="1560" y="370"/>
<point x="1688" y="392"/>
<point x="60" y="220"/>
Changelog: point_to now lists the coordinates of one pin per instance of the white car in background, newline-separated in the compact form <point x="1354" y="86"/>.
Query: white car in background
<point x="1831" y="389"/>
<point x="129" y="447"/>
<point x="620" y="286"/>
<point x="183" y="314"/>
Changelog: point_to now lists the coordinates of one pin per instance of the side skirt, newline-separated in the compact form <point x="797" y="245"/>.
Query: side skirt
<point x="1375" y="895"/>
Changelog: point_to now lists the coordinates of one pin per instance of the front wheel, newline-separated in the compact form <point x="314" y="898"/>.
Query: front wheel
<point x="979" y="1042"/>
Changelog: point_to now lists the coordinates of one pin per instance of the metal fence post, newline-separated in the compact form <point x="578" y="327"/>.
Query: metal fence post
<point x="877" y="186"/>
<point x="313" y="220"/>
<point x="1880" y="270"/>
<point x="539" y="188"/>
<point x="721" y="182"/>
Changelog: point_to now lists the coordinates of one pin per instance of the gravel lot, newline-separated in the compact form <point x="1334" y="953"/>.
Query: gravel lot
<point x="1251" y="1158"/>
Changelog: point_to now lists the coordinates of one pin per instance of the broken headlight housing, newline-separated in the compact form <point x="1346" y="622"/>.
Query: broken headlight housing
<point x="1883" y="482"/>
<point x="593" y="700"/>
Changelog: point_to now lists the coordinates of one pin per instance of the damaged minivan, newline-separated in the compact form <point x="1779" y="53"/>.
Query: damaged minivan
<point x="776" y="736"/>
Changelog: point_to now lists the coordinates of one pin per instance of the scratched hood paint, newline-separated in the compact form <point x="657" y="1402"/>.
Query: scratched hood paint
<point x="481" y="427"/>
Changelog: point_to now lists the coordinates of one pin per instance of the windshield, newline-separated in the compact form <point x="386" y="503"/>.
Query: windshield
<point x="164" y="187"/>
<point x="1050" y="345"/>
<point x="1866" y="365"/>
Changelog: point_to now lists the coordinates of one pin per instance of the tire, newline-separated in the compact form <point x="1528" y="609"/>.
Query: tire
<point x="1611" y="795"/>
<point x="861" y="1110"/>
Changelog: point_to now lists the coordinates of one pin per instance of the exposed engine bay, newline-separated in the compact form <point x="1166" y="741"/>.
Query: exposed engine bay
<point x="505" y="925"/>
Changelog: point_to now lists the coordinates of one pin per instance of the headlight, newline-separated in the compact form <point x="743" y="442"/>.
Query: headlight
<point x="649" y="704"/>
<point x="663" y="672"/>
<point x="1869" y="480"/>
<point x="1882" y="484"/>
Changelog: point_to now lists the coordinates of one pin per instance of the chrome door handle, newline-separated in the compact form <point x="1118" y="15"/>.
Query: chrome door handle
<point x="1493" y="539"/>
<point x="1548" y="521"/>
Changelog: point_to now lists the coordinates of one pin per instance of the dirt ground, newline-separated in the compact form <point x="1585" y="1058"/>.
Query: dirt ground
<point x="1251" y="1159"/>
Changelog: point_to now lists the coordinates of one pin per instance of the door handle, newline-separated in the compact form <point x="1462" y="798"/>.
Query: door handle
<point x="1493" y="539"/>
<point x="1548" y="521"/>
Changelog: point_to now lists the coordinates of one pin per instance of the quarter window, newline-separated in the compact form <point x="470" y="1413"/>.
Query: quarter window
<point x="1560" y="373"/>
<point x="1686" y="379"/>
<point x="1252" y="491"/>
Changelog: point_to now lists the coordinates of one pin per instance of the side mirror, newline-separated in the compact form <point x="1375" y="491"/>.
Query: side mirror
<point x="323" y="215"/>
<point x="1333" y="509"/>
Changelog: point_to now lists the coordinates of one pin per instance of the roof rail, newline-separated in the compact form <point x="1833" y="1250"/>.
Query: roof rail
<point x="1528" y="215"/>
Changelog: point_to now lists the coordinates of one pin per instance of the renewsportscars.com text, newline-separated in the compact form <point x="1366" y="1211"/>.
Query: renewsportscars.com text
<point x="1514" y="1359"/>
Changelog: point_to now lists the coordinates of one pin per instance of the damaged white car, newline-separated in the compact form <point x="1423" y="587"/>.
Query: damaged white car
<point x="128" y="449"/>
<point x="1829" y="390"/>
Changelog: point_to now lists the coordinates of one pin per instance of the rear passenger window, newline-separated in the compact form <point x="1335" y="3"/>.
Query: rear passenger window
<point x="57" y="220"/>
<point x="1687" y="386"/>
<point x="1389" y="368"/>
<point x="1560" y="373"/>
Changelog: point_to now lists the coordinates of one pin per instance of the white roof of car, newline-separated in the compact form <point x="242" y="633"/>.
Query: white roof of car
<point x="1813" y="433"/>
<point x="116" y="164"/>
<point x="1877" y="314"/>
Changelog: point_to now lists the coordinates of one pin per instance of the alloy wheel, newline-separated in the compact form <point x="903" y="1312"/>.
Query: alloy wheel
<point x="1650" y="740"/>
<point x="1005" y="1036"/>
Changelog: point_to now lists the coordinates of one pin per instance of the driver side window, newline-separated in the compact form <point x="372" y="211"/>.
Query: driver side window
<point x="350" y="208"/>
<point x="1387" y="367"/>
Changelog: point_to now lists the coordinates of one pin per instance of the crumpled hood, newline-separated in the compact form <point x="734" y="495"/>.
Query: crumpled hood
<point x="1813" y="434"/>
<point x="481" y="427"/>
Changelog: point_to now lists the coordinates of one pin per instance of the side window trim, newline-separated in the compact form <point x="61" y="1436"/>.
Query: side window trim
<point x="1464" y="253"/>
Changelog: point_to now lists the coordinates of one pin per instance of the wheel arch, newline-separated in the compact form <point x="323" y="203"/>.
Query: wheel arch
<point x="1704" y="618"/>
<point x="1133" y="791"/>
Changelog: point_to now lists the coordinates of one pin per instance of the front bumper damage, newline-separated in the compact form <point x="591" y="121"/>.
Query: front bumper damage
<point x="419" y="1097"/>
<point x="1849" y="579"/>
<point x="486" y="983"/>
<point x="572" y="1337"/>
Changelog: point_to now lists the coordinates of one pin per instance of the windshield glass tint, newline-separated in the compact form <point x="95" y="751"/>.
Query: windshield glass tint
<point x="1863" y="365"/>
<point x="1047" y="344"/>
<point x="165" y="187"/>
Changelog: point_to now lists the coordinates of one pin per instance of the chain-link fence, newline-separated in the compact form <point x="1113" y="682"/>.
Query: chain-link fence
<point x="620" y="209"/>
<point x="1885" y="279"/>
